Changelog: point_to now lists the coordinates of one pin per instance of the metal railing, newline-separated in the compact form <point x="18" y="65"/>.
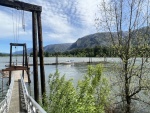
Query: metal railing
<point x="4" y="105"/>
<point x="31" y="105"/>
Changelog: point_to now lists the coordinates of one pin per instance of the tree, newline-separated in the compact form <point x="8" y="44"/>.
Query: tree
<point x="46" y="54"/>
<point x="90" y="95"/>
<point x="127" y="22"/>
<point x="62" y="95"/>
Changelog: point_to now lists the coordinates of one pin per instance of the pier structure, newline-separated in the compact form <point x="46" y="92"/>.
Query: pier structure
<point x="17" y="99"/>
<point x="36" y="37"/>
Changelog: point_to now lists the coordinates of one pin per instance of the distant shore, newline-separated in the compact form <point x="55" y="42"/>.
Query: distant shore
<point x="63" y="63"/>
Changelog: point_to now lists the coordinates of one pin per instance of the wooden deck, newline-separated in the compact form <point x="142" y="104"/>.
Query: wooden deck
<point x="17" y="74"/>
<point x="17" y="104"/>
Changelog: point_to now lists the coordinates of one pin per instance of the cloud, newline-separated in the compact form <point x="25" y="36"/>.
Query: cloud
<point x="88" y="8"/>
<point x="6" y="28"/>
<point x="10" y="24"/>
<point x="62" y="38"/>
<point x="62" y="20"/>
<point x="64" y="16"/>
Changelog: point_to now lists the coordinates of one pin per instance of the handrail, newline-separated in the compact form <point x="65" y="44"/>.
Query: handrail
<point x="4" y="105"/>
<point x="31" y="105"/>
<point x="36" y="106"/>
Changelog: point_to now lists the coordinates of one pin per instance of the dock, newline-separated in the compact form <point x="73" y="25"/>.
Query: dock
<point x="17" y="99"/>
<point x="13" y="92"/>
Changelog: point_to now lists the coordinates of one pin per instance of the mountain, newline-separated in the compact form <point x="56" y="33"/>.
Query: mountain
<point x="89" y="41"/>
<point x="29" y="50"/>
<point x="4" y="54"/>
<point x="52" y="48"/>
<point x="92" y="40"/>
<point x="103" y="38"/>
<point x="97" y="39"/>
<point x="57" y="47"/>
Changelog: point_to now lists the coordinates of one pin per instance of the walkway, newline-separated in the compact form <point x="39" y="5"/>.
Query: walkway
<point x="17" y="104"/>
<point x="17" y="99"/>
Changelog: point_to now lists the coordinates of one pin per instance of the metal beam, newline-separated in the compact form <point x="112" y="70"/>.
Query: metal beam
<point x="20" y="5"/>
<point x="13" y="68"/>
<point x="17" y="44"/>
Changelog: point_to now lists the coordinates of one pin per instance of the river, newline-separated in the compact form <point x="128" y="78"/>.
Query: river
<point x="74" y="72"/>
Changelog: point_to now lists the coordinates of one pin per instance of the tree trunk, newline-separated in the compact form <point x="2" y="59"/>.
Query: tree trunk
<point x="127" y="85"/>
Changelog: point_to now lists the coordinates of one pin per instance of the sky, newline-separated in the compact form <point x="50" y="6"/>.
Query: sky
<point x="63" y="21"/>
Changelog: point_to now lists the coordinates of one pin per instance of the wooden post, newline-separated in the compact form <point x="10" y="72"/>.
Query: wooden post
<point x="10" y="63"/>
<point x="26" y="64"/>
<point x="23" y="61"/>
<point x="41" y="52"/>
<point x="35" y="57"/>
<point x="26" y="59"/>
<point x="56" y="59"/>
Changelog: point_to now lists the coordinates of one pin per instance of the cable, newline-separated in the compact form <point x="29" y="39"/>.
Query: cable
<point x="13" y="25"/>
<point x="23" y="20"/>
<point x="16" y="23"/>
<point x="14" y="31"/>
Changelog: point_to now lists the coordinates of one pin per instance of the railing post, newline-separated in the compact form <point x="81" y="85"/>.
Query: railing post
<point x="6" y="106"/>
<point x="28" y="105"/>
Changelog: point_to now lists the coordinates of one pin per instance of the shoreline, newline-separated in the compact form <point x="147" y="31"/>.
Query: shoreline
<point x="74" y="63"/>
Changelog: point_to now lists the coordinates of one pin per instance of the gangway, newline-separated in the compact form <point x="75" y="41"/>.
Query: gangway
<point x="17" y="99"/>
<point x="15" y="86"/>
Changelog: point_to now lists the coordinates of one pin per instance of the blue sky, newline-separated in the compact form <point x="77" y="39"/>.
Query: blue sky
<point x="63" y="21"/>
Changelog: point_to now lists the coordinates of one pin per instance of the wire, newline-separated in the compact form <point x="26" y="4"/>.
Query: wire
<point x="16" y="24"/>
<point x="23" y="20"/>
<point x="13" y="25"/>
<point x="14" y="30"/>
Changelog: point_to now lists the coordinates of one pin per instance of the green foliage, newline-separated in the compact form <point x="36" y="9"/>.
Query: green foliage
<point x="4" y="54"/>
<point x="90" y="95"/>
<point x="61" y="96"/>
<point x="46" y="54"/>
<point x="97" y="51"/>
<point x="93" y="91"/>
<point x="101" y="51"/>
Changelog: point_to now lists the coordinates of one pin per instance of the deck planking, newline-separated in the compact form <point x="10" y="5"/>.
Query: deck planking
<point x="17" y="75"/>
